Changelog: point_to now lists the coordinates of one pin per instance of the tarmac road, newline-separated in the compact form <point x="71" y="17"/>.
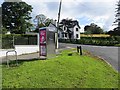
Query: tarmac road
<point x="108" y="53"/>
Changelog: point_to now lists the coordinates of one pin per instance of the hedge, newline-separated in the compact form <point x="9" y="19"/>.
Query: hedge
<point x="102" y="41"/>
<point x="7" y="40"/>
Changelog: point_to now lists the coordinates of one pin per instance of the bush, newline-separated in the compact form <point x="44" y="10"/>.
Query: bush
<point x="103" y="41"/>
<point x="117" y="38"/>
<point x="7" y="41"/>
<point x="118" y="45"/>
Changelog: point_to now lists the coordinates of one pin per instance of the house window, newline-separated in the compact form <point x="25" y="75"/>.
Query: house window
<point x="65" y="34"/>
<point x="58" y="35"/>
<point x="76" y="29"/>
<point x="77" y="36"/>
<point x="62" y="34"/>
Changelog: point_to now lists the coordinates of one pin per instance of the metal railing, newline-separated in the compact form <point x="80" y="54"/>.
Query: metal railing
<point x="8" y="59"/>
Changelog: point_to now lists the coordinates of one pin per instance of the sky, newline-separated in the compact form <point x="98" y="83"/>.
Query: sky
<point x="100" y="12"/>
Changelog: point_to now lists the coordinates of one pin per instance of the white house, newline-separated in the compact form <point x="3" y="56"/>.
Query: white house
<point x="68" y="31"/>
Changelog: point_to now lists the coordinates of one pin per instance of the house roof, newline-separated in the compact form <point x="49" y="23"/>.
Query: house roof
<point x="70" y="24"/>
<point x="55" y="26"/>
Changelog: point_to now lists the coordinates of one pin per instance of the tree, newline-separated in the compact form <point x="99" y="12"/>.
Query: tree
<point x="4" y="30"/>
<point x="86" y="29"/>
<point x="42" y="21"/>
<point x="116" y="31"/>
<point x="93" y="29"/>
<point x="16" y="16"/>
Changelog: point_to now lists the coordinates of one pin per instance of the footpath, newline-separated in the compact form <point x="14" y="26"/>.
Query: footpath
<point x="25" y="57"/>
<point x="30" y="56"/>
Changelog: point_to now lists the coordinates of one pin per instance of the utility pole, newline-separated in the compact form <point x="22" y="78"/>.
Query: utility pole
<point x="58" y="23"/>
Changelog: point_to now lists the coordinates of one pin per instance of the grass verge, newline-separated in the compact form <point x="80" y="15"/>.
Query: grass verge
<point x="61" y="72"/>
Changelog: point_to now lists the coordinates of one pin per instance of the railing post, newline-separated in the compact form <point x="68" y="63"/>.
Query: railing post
<point x="7" y="57"/>
<point x="16" y="58"/>
<point x="7" y="60"/>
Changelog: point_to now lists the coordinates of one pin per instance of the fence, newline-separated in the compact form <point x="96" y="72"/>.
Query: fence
<point x="26" y="40"/>
<point x="8" y="41"/>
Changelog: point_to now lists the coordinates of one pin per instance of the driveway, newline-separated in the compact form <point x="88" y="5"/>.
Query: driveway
<point x="108" y="53"/>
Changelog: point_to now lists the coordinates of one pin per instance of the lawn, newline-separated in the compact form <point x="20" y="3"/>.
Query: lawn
<point x="62" y="71"/>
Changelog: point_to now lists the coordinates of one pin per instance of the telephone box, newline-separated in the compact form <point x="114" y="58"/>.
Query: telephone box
<point x="46" y="42"/>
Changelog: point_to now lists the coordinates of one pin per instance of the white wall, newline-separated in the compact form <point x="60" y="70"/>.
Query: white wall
<point x="76" y="32"/>
<point x="21" y="49"/>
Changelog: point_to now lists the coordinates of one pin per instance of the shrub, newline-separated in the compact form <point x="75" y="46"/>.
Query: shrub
<point x="117" y="38"/>
<point x="103" y="41"/>
<point x="7" y="41"/>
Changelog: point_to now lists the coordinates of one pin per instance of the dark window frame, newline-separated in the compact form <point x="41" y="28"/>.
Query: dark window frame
<point x="77" y="29"/>
<point x="65" y="34"/>
<point x="77" y="36"/>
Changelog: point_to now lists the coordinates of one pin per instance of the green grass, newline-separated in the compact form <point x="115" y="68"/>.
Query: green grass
<point x="61" y="72"/>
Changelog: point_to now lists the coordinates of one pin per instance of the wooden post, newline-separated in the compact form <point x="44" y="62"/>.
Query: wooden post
<point x="80" y="50"/>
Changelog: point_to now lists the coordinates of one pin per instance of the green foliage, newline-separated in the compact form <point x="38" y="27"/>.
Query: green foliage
<point x="16" y="16"/>
<point x="118" y="45"/>
<point x="7" y="41"/>
<point x="61" y="72"/>
<point x="42" y="21"/>
<point x="115" y="32"/>
<point x="102" y="41"/>
<point x="117" y="21"/>
<point x="4" y="30"/>
<point x="93" y="29"/>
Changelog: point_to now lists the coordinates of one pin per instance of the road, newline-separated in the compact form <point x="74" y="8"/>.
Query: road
<point x="108" y="53"/>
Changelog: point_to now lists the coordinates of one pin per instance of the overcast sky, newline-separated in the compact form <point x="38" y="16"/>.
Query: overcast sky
<point x="86" y="12"/>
